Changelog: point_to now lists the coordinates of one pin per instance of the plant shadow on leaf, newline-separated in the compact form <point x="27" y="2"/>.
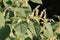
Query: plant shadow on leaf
<point x="36" y="38"/>
<point x="9" y="2"/>
<point x="58" y="36"/>
<point x="4" y="32"/>
<point x="9" y="14"/>
<point x="28" y="38"/>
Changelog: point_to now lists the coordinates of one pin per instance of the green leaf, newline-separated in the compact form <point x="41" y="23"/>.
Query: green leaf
<point x="9" y="14"/>
<point x="28" y="38"/>
<point x="27" y="9"/>
<point x="37" y="27"/>
<point x="32" y="28"/>
<point x="1" y="10"/>
<point x="54" y="25"/>
<point x="29" y="34"/>
<point x="37" y="1"/>
<point x="20" y="12"/>
<point x="9" y="38"/>
<point x="4" y="32"/>
<point x="2" y="20"/>
<point x="46" y="33"/>
<point x="13" y="0"/>
<point x="20" y="35"/>
<point x="49" y="31"/>
<point x="21" y="27"/>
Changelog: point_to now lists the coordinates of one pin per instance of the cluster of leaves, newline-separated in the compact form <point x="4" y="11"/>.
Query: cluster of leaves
<point x="18" y="22"/>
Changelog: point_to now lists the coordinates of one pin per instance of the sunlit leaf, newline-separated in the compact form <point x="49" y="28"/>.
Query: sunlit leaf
<point x="49" y="31"/>
<point x="2" y="20"/>
<point x="37" y="1"/>
<point x="32" y="28"/>
<point x="20" y="35"/>
<point x="21" y="27"/>
<point x="20" y="12"/>
<point x="10" y="38"/>
<point x="29" y="34"/>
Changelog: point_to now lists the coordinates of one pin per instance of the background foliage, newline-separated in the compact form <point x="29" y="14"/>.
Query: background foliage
<point x="18" y="22"/>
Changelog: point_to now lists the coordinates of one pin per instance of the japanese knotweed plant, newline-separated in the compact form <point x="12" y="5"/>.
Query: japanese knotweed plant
<point x="19" y="22"/>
